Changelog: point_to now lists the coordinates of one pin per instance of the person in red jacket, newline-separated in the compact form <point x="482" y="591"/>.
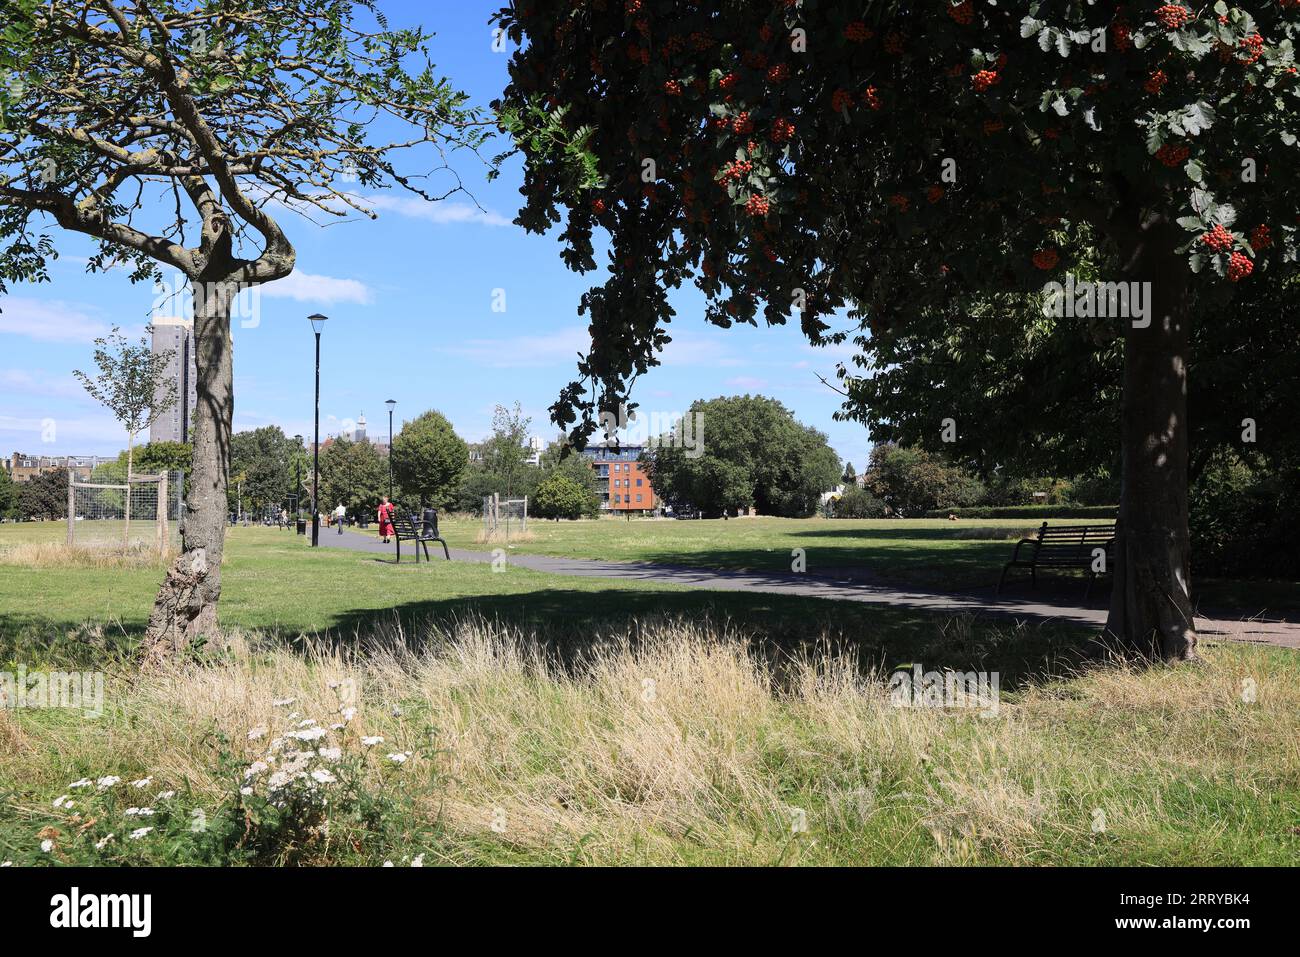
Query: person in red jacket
<point x="385" y="519"/>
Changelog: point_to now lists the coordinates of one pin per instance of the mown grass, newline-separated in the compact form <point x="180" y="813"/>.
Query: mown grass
<point x="669" y="742"/>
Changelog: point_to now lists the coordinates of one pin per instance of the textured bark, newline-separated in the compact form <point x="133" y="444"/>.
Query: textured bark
<point x="186" y="607"/>
<point x="1151" y="608"/>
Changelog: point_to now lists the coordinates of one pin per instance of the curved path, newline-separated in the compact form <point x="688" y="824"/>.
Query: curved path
<point x="1224" y="624"/>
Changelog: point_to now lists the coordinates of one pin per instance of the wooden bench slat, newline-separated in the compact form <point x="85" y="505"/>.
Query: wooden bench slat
<point x="1062" y="546"/>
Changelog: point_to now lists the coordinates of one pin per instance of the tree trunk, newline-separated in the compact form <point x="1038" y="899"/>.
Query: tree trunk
<point x="130" y="456"/>
<point x="1151" y="608"/>
<point x="186" y="607"/>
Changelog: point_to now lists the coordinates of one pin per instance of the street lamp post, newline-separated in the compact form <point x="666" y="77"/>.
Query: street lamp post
<point x="317" y="324"/>
<point x="390" y="403"/>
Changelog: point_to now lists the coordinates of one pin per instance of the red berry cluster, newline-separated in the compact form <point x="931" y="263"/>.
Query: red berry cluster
<point x="1156" y="81"/>
<point x="779" y="73"/>
<point x="1239" y="267"/>
<point x="857" y="32"/>
<point x="841" y="101"/>
<point x="672" y="88"/>
<point x="1173" y="155"/>
<point x="633" y="7"/>
<point x="1261" y="237"/>
<point x="934" y="193"/>
<point x="1046" y="259"/>
<point x="984" y="79"/>
<point x="871" y="97"/>
<point x="1218" y="238"/>
<point x="737" y="170"/>
<point x="963" y="12"/>
<point x="782" y="130"/>
<point x="899" y="202"/>
<point x="1173" y="16"/>
<point x="1123" y="36"/>
<point x="742" y="124"/>
<point x="1252" y="48"/>
<point x="758" y="205"/>
<point x="728" y="81"/>
<point x="893" y="43"/>
<point x="597" y="206"/>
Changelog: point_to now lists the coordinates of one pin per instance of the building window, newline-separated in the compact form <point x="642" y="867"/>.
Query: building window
<point x="638" y="498"/>
<point x="638" y="483"/>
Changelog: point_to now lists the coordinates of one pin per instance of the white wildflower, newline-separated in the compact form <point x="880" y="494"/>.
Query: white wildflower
<point x="107" y="782"/>
<point x="348" y="713"/>
<point x="399" y="757"/>
<point x="330" y="754"/>
<point x="257" y="767"/>
<point x="321" y="776"/>
<point x="142" y="783"/>
<point x="257" y="734"/>
<point x="308" y="734"/>
<point x="101" y="844"/>
<point x="47" y="845"/>
<point x="165" y="796"/>
<point x="140" y="832"/>
<point x="83" y="783"/>
<point x="61" y="800"/>
<point x="388" y="863"/>
<point x="418" y="862"/>
<point x="283" y="702"/>
<point x="246" y="792"/>
<point x="307" y="722"/>
<point x="371" y="741"/>
<point x="139" y="812"/>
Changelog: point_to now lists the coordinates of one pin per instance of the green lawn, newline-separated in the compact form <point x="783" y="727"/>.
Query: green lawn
<point x="747" y="727"/>
<point x="935" y="553"/>
<point x="273" y="582"/>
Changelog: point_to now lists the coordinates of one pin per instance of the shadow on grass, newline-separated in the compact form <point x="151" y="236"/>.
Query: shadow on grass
<point x="568" y="622"/>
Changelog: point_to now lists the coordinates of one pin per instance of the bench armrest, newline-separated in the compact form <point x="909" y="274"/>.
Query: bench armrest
<point x="1015" y="556"/>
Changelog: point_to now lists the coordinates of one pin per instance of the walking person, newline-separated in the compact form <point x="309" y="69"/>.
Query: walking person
<point x="340" y="513"/>
<point x="385" y="519"/>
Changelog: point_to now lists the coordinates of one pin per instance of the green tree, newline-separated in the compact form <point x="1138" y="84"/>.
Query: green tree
<point x="558" y="496"/>
<point x="849" y="477"/>
<point x="558" y="458"/>
<point x="911" y="481"/>
<point x="132" y="383"/>
<point x="894" y="157"/>
<point x="44" y="497"/>
<point x="429" y="459"/>
<point x="754" y="454"/>
<point x="354" y="474"/>
<point x="262" y="460"/>
<point x="168" y="457"/>
<point x="857" y="502"/>
<point x="201" y="124"/>
<point x="8" y="494"/>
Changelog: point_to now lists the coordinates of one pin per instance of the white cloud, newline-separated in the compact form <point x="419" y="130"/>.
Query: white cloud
<point x="444" y="212"/>
<point x="517" y="352"/>
<point x="49" y="320"/>
<point x="747" y="382"/>
<point x="305" y="287"/>
<point x="42" y="383"/>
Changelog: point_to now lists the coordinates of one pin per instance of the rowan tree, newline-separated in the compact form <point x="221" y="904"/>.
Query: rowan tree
<point x="177" y="133"/>
<point x="855" y="165"/>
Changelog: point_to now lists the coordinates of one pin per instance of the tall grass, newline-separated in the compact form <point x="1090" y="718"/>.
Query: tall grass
<point x="677" y="742"/>
<point x="63" y="555"/>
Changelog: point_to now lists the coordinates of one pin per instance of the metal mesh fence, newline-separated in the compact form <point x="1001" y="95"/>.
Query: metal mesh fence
<point x="147" y="514"/>
<point x="503" y="517"/>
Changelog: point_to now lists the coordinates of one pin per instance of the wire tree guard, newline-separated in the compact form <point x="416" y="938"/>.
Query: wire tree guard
<point x="504" y="517"/>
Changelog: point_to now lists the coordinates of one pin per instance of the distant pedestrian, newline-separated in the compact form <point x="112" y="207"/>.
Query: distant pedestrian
<point x="340" y="513"/>
<point x="385" y="519"/>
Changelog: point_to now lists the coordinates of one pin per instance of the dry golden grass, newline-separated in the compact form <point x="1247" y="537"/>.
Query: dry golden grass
<point x="63" y="555"/>
<point x="677" y="744"/>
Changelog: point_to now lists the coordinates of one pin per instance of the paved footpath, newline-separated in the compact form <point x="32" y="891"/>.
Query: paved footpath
<point x="1222" y="624"/>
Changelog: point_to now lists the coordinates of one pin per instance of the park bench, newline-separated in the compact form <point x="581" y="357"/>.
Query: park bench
<point x="1062" y="546"/>
<point x="420" y="531"/>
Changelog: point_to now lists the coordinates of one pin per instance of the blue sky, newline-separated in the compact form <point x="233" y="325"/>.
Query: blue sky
<point x="410" y="303"/>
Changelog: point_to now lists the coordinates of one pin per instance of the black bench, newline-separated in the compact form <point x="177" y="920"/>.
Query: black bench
<point x="1062" y="546"/>
<point x="420" y="531"/>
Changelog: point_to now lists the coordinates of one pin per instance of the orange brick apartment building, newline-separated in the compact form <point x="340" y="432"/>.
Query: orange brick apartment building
<point x="626" y="488"/>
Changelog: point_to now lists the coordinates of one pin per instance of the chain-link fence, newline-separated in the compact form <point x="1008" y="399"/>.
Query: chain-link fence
<point x="146" y="513"/>
<point x="504" y="517"/>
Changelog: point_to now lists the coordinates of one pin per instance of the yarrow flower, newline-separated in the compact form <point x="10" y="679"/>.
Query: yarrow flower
<point x="142" y="783"/>
<point x="371" y="740"/>
<point x="399" y="757"/>
<point x="257" y="734"/>
<point x="140" y="832"/>
<point x="107" y="782"/>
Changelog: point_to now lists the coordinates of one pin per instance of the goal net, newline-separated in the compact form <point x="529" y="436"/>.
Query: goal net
<point x="145" y="513"/>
